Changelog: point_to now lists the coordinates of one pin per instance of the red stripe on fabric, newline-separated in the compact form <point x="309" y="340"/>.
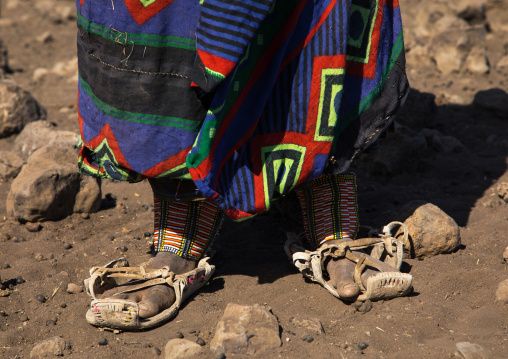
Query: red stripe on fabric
<point x="216" y="63"/>
<point x="368" y="70"/>
<point x="313" y="32"/>
<point x="166" y="165"/>
<point x="259" y="69"/>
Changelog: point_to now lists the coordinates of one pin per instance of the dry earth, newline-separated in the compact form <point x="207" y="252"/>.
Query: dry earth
<point x="454" y="294"/>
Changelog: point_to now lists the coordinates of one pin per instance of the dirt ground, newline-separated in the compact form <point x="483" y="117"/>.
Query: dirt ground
<point x="454" y="294"/>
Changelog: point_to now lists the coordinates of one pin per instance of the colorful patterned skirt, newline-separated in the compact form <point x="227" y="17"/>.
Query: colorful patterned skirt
<point x="247" y="98"/>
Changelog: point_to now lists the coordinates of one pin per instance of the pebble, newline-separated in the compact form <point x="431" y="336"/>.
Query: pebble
<point x="147" y="234"/>
<point x="33" y="227"/>
<point x="40" y="297"/>
<point x="145" y="207"/>
<point x="201" y="341"/>
<point x="179" y="335"/>
<point x="19" y="239"/>
<point x="74" y="288"/>
<point x="67" y="246"/>
<point x="20" y="280"/>
<point x="123" y="249"/>
<point x="103" y="341"/>
<point x="111" y="237"/>
<point x="50" y="322"/>
<point x="85" y="215"/>
<point x="2" y="313"/>
<point x="23" y="317"/>
<point x="136" y="238"/>
<point x="156" y="351"/>
<point x="308" y="338"/>
<point x="63" y="305"/>
<point x="363" y="345"/>
<point x="221" y="356"/>
<point x="39" y="257"/>
<point x="4" y="236"/>
<point x="6" y="266"/>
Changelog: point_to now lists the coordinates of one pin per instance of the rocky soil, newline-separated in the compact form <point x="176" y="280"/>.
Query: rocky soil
<point x="450" y="149"/>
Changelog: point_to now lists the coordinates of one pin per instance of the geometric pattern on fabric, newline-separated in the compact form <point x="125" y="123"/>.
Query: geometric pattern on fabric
<point x="143" y="10"/>
<point x="330" y="80"/>
<point x="225" y="30"/>
<point x="281" y="168"/>
<point x="186" y="229"/>
<point x="247" y="98"/>
<point x="363" y="16"/>
<point x="329" y="207"/>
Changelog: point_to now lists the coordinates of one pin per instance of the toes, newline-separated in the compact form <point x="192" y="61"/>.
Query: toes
<point x="155" y="301"/>
<point x="348" y="291"/>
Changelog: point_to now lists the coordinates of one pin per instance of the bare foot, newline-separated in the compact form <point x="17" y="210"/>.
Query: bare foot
<point x="341" y="272"/>
<point x="154" y="300"/>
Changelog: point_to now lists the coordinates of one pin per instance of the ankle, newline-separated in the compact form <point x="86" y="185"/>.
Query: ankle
<point x="176" y="263"/>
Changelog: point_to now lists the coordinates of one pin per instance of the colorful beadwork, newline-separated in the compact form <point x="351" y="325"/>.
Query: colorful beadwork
<point x="329" y="206"/>
<point x="185" y="228"/>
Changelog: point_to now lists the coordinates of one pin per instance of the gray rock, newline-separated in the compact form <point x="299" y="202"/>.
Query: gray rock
<point x="493" y="100"/>
<point x="449" y="50"/>
<point x="502" y="191"/>
<point x="248" y="330"/>
<point x="17" y="108"/>
<point x="74" y="288"/>
<point x="442" y="143"/>
<point x="308" y="323"/>
<point x="502" y="291"/>
<point x="431" y="230"/>
<point x="182" y="349"/>
<point x="477" y="61"/>
<point x="49" y="187"/>
<point x="48" y="348"/>
<point x="472" y="351"/>
<point x="10" y="164"/>
<point x="41" y="133"/>
<point x="505" y="254"/>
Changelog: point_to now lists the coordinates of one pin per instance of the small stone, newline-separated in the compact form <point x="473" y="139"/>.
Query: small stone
<point x="221" y="356"/>
<point x="145" y="207"/>
<point x="19" y="239"/>
<point x="179" y="335"/>
<point x="74" y="288"/>
<point x="4" y="236"/>
<point x="63" y="305"/>
<point x="502" y="292"/>
<point x="39" y="257"/>
<point x="136" y="238"/>
<point x="33" y="227"/>
<point x="85" y="215"/>
<point x="200" y="341"/>
<point x="6" y="266"/>
<point x="67" y="246"/>
<point x="304" y="338"/>
<point x="123" y="249"/>
<point x="23" y="317"/>
<point x="103" y="341"/>
<point x="363" y="345"/>
<point x="111" y="237"/>
<point x="147" y="234"/>
<point x="156" y="351"/>
<point x="472" y="351"/>
<point x="182" y="349"/>
<point x="20" y="280"/>
<point x="41" y="298"/>
<point x="192" y="331"/>
<point x="50" y="322"/>
<point x="505" y="255"/>
<point x="308" y="323"/>
<point x="2" y="313"/>
<point x="49" y="348"/>
<point x="310" y="339"/>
